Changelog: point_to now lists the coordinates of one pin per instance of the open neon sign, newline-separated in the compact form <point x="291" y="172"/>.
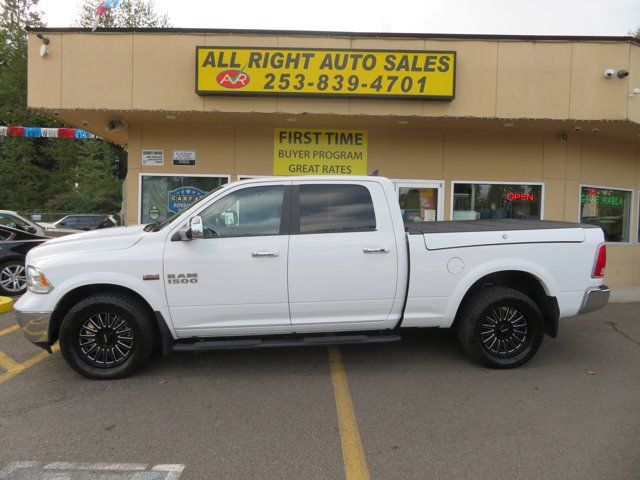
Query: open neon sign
<point x="523" y="197"/>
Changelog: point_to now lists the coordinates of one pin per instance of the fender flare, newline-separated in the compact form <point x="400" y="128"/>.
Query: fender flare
<point x="503" y="265"/>
<point x="159" y="310"/>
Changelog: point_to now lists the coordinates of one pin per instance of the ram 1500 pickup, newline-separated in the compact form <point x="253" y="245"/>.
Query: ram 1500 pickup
<point x="306" y="261"/>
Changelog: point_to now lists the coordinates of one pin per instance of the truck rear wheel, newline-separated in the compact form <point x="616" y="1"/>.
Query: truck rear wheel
<point x="107" y="336"/>
<point x="500" y="327"/>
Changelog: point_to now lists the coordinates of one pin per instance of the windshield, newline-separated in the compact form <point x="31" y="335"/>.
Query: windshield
<point x="156" y="227"/>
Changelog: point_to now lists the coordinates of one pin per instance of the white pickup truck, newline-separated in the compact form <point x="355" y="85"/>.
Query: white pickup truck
<point x="306" y="261"/>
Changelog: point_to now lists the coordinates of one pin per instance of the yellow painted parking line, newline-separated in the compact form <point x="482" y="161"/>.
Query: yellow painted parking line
<point x="355" y="464"/>
<point x="21" y="367"/>
<point x="7" y="331"/>
<point x="7" y="362"/>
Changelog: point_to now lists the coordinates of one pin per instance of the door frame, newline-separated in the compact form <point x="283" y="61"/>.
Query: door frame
<point x="413" y="183"/>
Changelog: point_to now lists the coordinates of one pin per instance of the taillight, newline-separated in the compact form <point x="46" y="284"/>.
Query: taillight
<point x="601" y="261"/>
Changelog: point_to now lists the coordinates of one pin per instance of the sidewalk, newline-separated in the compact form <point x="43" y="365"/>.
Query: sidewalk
<point x="625" y="294"/>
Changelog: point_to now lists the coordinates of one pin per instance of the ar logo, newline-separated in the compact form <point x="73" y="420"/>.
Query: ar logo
<point x="233" y="79"/>
<point x="182" y="278"/>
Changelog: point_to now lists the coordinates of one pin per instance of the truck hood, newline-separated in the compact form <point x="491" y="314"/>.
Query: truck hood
<point x="117" y="238"/>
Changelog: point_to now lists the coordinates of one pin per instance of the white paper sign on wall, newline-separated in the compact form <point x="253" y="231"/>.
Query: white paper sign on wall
<point x="153" y="157"/>
<point x="184" y="157"/>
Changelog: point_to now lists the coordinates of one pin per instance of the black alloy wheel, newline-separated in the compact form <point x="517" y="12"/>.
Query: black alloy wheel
<point x="107" y="335"/>
<point x="504" y="332"/>
<point x="500" y="327"/>
<point x="105" y="340"/>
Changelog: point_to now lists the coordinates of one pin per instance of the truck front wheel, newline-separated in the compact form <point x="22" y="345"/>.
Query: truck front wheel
<point x="500" y="327"/>
<point x="107" y="336"/>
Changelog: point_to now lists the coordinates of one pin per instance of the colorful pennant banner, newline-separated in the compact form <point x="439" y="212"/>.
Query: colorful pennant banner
<point x="38" y="132"/>
<point x="103" y="8"/>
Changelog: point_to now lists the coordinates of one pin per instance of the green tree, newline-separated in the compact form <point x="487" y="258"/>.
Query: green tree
<point x="128" y="14"/>
<point x="93" y="185"/>
<point x="22" y="178"/>
<point x="62" y="175"/>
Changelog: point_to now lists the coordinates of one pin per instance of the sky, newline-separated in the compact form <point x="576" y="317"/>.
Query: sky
<point x="522" y="17"/>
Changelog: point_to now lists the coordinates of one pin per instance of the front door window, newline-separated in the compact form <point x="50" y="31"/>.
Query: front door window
<point x="245" y="213"/>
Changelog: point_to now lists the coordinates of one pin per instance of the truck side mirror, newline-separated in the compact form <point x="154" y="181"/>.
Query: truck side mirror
<point x="196" y="230"/>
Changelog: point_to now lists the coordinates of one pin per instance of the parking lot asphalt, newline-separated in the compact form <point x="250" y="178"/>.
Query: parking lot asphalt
<point x="417" y="409"/>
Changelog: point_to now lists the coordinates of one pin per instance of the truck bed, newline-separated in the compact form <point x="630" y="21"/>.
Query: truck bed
<point x="460" y="226"/>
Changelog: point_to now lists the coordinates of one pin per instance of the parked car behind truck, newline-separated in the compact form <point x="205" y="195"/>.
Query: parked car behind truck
<point x="14" y="246"/>
<point x="306" y="261"/>
<point x="80" y="223"/>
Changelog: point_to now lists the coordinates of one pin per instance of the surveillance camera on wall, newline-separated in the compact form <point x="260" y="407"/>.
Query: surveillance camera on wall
<point x="563" y="136"/>
<point x="609" y="73"/>
<point x="577" y="129"/>
<point x="113" y="125"/>
<point x="623" y="73"/>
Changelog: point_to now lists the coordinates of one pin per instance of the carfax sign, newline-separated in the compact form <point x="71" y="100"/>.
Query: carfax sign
<point x="182" y="197"/>
<point x="299" y="151"/>
<point x="326" y="73"/>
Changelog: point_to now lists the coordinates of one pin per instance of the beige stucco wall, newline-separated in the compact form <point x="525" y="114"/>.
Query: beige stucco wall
<point x="430" y="154"/>
<point x="90" y="78"/>
<point x="495" y="78"/>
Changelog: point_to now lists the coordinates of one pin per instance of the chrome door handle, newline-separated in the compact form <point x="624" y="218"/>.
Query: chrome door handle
<point x="376" y="250"/>
<point x="265" y="254"/>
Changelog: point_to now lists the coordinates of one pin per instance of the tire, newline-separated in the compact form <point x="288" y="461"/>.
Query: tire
<point x="107" y="336"/>
<point x="13" y="280"/>
<point x="500" y="327"/>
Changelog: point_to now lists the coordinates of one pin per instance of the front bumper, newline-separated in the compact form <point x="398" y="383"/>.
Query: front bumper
<point x="594" y="298"/>
<point x="35" y="327"/>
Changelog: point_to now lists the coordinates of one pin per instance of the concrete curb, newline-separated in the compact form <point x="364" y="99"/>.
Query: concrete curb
<point x="6" y="304"/>
<point x="625" y="294"/>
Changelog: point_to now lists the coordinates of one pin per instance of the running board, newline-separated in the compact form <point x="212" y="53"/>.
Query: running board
<point x="203" y="345"/>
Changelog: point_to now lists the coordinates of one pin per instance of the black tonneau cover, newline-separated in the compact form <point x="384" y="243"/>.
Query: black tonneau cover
<point x="456" y="226"/>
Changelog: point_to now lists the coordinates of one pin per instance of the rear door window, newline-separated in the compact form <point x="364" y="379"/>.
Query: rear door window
<point x="334" y="208"/>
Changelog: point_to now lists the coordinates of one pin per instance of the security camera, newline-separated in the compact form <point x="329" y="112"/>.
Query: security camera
<point x="609" y="73"/>
<point x="577" y="129"/>
<point x="623" y="73"/>
<point x="563" y="136"/>
<point x="85" y="123"/>
<point x="113" y="125"/>
<point x="44" y="39"/>
<point x="595" y="130"/>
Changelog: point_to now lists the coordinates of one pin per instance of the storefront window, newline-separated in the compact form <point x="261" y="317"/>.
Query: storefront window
<point x="164" y="195"/>
<point x="418" y="204"/>
<point x="479" y="201"/>
<point x="610" y="209"/>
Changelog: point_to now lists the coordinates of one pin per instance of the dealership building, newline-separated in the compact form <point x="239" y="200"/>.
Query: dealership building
<point x="466" y="126"/>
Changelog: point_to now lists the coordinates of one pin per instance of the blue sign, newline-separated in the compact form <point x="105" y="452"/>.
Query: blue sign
<point x="182" y="197"/>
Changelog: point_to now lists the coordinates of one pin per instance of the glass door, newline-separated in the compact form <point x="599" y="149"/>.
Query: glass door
<point x="420" y="200"/>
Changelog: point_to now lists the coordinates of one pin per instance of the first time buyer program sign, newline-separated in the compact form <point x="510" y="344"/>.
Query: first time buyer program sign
<point x="423" y="75"/>
<point x="299" y="151"/>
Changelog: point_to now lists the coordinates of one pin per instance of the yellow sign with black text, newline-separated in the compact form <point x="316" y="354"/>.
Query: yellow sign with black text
<point x="422" y="75"/>
<point x="302" y="151"/>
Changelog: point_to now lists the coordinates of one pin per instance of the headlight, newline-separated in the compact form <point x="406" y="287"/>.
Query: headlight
<point x="37" y="282"/>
